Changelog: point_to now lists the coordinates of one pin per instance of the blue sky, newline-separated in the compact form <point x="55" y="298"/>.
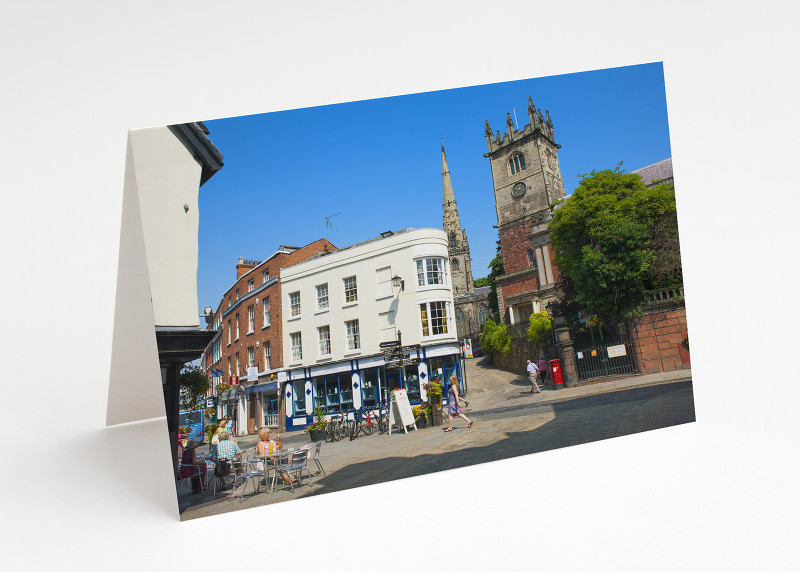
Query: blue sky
<point x="378" y="162"/>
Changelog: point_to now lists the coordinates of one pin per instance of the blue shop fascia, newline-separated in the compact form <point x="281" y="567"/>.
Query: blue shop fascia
<point x="365" y="383"/>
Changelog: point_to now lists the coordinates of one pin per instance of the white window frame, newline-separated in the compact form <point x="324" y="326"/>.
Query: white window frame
<point x="427" y="323"/>
<point x="251" y="357"/>
<point x="353" y="333"/>
<point x="294" y="303"/>
<point x="267" y="364"/>
<point x="229" y="367"/>
<point x="324" y="337"/>
<point x="238" y="365"/>
<point x="426" y="271"/>
<point x="251" y="319"/>
<point x="352" y="288"/>
<point x="230" y="332"/>
<point x="237" y="328"/>
<point x="323" y="300"/>
<point x="297" y="346"/>
<point x="266" y="312"/>
<point x="265" y="275"/>
<point x="251" y="285"/>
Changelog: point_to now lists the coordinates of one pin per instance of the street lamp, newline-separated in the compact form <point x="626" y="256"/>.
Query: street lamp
<point x="398" y="282"/>
<point x="551" y="311"/>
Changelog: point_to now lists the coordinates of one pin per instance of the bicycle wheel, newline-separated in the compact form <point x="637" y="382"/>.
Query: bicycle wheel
<point x="383" y="423"/>
<point x="342" y="430"/>
<point x="329" y="432"/>
<point x="368" y="425"/>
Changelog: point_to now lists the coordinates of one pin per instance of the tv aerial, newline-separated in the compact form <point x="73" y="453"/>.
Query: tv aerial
<point x="329" y="224"/>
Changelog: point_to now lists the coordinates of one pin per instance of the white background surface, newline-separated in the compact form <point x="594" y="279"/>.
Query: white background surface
<point x="716" y="494"/>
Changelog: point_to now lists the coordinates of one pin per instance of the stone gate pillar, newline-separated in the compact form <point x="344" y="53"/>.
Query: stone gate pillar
<point x="566" y="352"/>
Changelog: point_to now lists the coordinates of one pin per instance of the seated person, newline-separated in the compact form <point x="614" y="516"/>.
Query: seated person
<point x="227" y="450"/>
<point x="191" y="468"/>
<point x="266" y="446"/>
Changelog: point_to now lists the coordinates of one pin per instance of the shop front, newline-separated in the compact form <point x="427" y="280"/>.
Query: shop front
<point x="365" y="384"/>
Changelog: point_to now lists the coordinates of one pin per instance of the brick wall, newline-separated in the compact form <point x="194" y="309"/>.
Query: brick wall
<point x="657" y="337"/>
<point x="261" y="334"/>
<point x="514" y="243"/>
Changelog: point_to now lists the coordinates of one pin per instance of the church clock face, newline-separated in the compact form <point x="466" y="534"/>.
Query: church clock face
<point x="518" y="189"/>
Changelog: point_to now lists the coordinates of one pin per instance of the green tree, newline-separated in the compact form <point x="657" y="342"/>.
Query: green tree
<point x="603" y="237"/>
<point x="539" y="329"/>
<point x="495" y="270"/>
<point x="193" y="385"/>
<point x="494" y="337"/>
<point x="481" y="282"/>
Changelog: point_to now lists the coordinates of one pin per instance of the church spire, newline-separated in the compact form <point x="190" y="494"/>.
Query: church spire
<point x="457" y="245"/>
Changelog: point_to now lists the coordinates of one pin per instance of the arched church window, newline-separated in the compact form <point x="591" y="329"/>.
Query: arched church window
<point x="483" y="314"/>
<point x="459" y="319"/>
<point x="455" y="263"/>
<point x="516" y="163"/>
<point x="530" y="257"/>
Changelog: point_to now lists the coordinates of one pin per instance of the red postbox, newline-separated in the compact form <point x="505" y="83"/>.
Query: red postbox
<point x="555" y="373"/>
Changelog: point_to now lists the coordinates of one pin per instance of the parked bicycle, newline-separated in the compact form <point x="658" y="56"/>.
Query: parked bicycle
<point x="366" y="422"/>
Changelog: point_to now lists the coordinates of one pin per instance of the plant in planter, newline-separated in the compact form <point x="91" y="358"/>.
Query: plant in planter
<point x="316" y="430"/>
<point x="434" y="404"/>
<point x="211" y="428"/>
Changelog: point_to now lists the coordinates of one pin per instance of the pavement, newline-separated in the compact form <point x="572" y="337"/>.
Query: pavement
<point x="509" y="421"/>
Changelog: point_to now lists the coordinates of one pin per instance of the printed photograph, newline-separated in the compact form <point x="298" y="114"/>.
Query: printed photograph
<point x="367" y="291"/>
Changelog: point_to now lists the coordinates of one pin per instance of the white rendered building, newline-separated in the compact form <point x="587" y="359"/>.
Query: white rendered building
<point x="339" y="307"/>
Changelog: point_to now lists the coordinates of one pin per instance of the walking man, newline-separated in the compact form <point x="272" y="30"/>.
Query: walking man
<point x="533" y="371"/>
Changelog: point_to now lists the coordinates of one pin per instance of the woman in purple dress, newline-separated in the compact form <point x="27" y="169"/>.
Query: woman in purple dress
<point x="452" y="405"/>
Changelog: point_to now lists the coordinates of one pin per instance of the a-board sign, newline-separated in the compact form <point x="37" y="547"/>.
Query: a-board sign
<point x="400" y="411"/>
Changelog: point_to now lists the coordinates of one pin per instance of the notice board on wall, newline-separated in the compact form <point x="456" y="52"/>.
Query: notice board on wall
<point x="400" y="412"/>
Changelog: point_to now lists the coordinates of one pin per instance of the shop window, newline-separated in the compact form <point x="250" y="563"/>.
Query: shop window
<point x="346" y="390"/>
<point x="412" y="387"/>
<point x="331" y="393"/>
<point x="369" y="387"/>
<point x="299" y="390"/>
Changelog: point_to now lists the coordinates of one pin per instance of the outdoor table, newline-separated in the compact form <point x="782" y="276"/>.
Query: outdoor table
<point x="267" y="465"/>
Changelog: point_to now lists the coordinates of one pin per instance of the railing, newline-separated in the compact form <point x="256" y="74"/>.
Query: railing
<point x="670" y="295"/>
<point x="271" y="419"/>
<point x="597" y="361"/>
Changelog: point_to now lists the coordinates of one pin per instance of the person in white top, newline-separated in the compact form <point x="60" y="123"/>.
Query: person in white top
<point x="533" y="371"/>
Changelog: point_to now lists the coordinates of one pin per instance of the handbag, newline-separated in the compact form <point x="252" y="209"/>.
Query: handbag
<point x="222" y="468"/>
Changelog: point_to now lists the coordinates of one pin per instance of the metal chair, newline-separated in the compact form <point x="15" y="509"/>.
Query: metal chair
<point x="314" y="450"/>
<point x="249" y="470"/>
<point x="293" y="463"/>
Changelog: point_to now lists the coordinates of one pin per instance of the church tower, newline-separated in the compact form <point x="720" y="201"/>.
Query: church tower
<point x="527" y="181"/>
<point x="457" y="245"/>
